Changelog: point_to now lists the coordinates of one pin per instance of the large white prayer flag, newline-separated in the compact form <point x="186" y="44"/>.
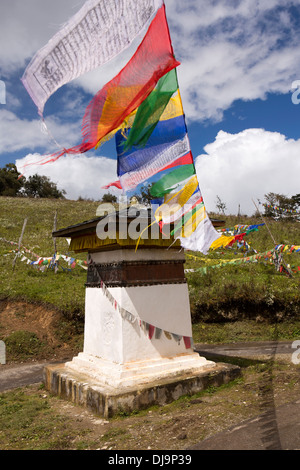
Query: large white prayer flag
<point x="96" y="34"/>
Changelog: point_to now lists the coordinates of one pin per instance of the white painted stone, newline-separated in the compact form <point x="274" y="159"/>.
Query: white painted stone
<point x="2" y="353"/>
<point x="109" y="336"/>
<point x="138" y="373"/>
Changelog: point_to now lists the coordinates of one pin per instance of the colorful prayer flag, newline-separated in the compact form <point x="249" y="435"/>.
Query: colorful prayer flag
<point x="125" y="92"/>
<point x="150" y="111"/>
<point x="167" y="143"/>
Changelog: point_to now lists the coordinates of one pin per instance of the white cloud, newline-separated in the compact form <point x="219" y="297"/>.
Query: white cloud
<point x="228" y="49"/>
<point x="17" y="134"/>
<point x="232" y="50"/>
<point x="245" y="166"/>
<point x="236" y="167"/>
<point x="26" y="26"/>
<point x="78" y="175"/>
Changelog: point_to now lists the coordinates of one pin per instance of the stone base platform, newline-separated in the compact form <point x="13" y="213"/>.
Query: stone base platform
<point x="106" y="400"/>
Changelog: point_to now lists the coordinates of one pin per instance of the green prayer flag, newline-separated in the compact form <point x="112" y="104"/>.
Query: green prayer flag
<point x="150" y="111"/>
<point x="186" y="217"/>
<point x="167" y="182"/>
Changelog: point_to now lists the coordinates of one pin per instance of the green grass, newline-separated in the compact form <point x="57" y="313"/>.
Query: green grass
<point x="64" y="290"/>
<point x="28" y="422"/>
<point x="235" y="292"/>
<point x="245" y="330"/>
<point x="21" y="345"/>
<point x="252" y="290"/>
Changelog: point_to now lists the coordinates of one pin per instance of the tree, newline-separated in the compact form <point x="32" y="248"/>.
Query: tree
<point x="144" y="196"/>
<point x="107" y="197"/>
<point x="296" y="199"/>
<point x="11" y="181"/>
<point x="220" y="205"/>
<point x="41" y="186"/>
<point x="279" y="205"/>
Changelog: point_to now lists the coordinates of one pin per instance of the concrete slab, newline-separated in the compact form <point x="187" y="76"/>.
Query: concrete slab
<point x="108" y="401"/>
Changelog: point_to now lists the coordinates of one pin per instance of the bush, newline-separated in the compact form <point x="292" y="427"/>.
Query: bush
<point x="22" y="345"/>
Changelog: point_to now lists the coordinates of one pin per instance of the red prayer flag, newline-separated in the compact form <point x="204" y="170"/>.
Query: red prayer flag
<point x="124" y="93"/>
<point x="187" y="342"/>
<point x="151" y="331"/>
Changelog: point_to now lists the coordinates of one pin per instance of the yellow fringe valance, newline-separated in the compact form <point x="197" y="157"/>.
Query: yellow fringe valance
<point x="92" y="242"/>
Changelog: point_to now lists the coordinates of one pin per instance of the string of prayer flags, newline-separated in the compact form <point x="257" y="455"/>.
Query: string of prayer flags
<point x="288" y="248"/>
<point x="247" y="228"/>
<point x="267" y="255"/>
<point x="273" y="256"/>
<point x="23" y="247"/>
<point x="49" y="261"/>
<point x="280" y="210"/>
<point x="241" y="228"/>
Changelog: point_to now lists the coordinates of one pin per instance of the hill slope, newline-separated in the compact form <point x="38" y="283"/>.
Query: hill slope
<point x="230" y="292"/>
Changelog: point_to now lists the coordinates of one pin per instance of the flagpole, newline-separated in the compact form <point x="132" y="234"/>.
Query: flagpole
<point x="20" y="242"/>
<point x="282" y="260"/>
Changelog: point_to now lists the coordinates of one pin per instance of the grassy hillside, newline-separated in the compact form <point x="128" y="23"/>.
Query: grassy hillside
<point x="65" y="289"/>
<point x="250" y="290"/>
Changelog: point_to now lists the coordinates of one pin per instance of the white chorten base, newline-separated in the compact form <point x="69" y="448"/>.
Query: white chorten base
<point x="123" y="367"/>
<point x="110" y="336"/>
<point x="134" y="374"/>
<point x="120" y="352"/>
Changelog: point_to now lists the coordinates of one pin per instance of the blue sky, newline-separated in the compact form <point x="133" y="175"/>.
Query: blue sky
<point x="239" y="60"/>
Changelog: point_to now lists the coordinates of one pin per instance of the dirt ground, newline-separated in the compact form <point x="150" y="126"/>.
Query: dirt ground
<point x="46" y="323"/>
<point x="177" y="426"/>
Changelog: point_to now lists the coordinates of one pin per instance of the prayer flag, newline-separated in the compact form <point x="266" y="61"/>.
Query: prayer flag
<point x="125" y="92"/>
<point x="97" y="33"/>
<point x="150" y="111"/>
<point x="167" y="143"/>
<point x="202" y="237"/>
<point x="168" y="181"/>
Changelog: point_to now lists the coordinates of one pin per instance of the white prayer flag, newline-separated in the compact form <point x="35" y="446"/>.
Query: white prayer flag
<point x="96" y="34"/>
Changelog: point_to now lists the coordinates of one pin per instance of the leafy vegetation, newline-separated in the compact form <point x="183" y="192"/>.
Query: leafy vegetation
<point x="21" y="345"/>
<point x="12" y="183"/>
<point x="281" y="206"/>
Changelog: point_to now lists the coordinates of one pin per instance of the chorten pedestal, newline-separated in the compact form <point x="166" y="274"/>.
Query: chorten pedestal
<point x="138" y="347"/>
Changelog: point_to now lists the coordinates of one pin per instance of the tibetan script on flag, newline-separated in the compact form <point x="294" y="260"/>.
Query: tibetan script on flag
<point x="95" y="35"/>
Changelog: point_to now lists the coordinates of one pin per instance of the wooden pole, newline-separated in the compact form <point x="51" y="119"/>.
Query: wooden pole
<point x="54" y="230"/>
<point x="281" y="259"/>
<point x="20" y="242"/>
<point x="54" y="241"/>
<point x="265" y="223"/>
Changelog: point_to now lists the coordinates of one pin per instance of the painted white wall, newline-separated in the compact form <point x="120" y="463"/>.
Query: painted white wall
<point x="107" y="335"/>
